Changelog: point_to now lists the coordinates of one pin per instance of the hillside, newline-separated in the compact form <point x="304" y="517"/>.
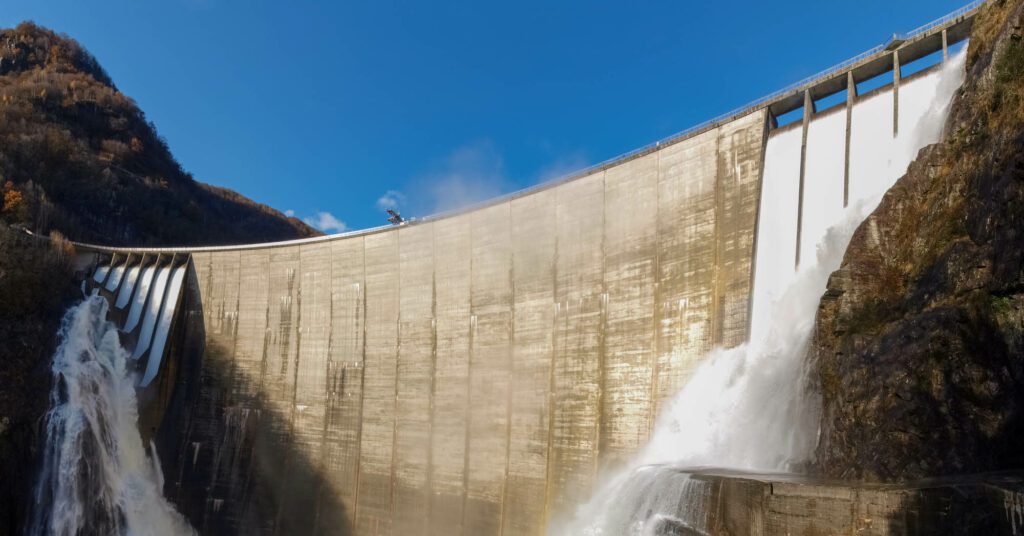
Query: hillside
<point x="78" y="156"/>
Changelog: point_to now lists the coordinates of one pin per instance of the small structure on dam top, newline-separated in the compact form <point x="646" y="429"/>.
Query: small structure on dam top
<point x="476" y="372"/>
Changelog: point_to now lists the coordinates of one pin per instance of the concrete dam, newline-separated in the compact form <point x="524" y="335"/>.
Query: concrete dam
<point x="480" y="372"/>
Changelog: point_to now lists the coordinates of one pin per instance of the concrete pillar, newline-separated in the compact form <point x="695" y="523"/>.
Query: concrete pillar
<point x="808" y="114"/>
<point x="851" y="98"/>
<point x="945" y="46"/>
<point x="895" y="93"/>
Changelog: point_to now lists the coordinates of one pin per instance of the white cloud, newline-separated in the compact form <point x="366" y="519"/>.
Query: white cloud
<point x="562" y="166"/>
<point x="470" y="174"/>
<point x="290" y="213"/>
<point x="391" y="199"/>
<point x="326" y="222"/>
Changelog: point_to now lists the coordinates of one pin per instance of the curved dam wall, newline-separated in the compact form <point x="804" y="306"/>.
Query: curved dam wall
<point x="477" y="373"/>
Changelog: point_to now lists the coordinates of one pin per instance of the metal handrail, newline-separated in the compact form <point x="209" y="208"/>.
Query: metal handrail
<point x="941" y="20"/>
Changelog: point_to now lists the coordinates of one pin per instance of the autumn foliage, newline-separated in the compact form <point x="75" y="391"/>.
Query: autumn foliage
<point x="13" y="200"/>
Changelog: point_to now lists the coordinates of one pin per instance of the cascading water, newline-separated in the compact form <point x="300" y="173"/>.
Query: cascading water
<point x="96" y="477"/>
<point x="748" y="408"/>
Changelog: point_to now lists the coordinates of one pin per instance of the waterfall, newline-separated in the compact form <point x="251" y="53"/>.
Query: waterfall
<point x="96" y="477"/>
<point x="748" y="408"/>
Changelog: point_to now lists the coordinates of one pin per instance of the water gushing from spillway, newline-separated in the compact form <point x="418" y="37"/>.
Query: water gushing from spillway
<point x="96" y="477"/>
<point x="749" y="408"/>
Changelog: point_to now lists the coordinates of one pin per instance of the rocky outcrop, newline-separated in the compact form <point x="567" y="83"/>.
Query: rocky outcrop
<point x="919" y="342"/>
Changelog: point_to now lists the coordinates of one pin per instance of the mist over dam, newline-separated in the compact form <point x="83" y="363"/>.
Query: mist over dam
<point x="480" y="372"/>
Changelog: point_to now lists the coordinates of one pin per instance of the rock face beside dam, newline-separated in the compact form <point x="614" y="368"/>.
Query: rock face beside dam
<point x="478" y="372"/>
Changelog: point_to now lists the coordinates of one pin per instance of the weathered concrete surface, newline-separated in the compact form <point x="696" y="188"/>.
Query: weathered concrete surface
<point x="772" y="504"/>
<point x="471" y="374"/>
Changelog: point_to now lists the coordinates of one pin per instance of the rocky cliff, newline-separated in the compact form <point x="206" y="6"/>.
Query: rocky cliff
<point x="919" y="342"/>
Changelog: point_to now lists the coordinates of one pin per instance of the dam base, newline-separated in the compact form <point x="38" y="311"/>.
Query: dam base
<point x="737" y="503"/>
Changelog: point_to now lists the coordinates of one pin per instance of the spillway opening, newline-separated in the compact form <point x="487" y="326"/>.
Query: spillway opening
<point x="875" y="83"/>
<point x="789" y="118"/>
<point x="956" y="48"/>
<point x="828" y="102"/>
<point x="921" y="64"/>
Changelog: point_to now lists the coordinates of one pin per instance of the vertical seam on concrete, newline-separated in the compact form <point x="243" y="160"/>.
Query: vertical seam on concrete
<point x="234" y="334"/>
<point x="602" y="333"/>
<point x="331" y="388"/>
<point x="511" y="369"/>
<point x="895" y="93"/>
<point x="295" y="390"/>
<point x="194" y="300"/>
<point x="765" y="131"/>
<point x="234" y="340"/>
<point x="851" y="98"/>
<point x="551" y="371"/>
<point x="468" y="418"/>
<point x="266" y="331"/>
<point x="394" y="408"/>
<point x="808" y="111"/>
<point x="717" y="323"/>
<point x="362" y="394"/>
<point x="652" y="411"/>
<point x="429" y="484"/>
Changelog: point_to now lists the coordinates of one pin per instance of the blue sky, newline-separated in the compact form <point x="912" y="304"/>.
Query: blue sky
<point x="333" y="110"/>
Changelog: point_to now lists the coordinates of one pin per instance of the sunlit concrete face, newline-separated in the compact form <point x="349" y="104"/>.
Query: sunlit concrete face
<point x="474" y="374"/>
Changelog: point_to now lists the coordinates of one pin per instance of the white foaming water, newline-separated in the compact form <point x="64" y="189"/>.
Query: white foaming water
<point x="748" y="408"/>
<point x="96" y="476"/>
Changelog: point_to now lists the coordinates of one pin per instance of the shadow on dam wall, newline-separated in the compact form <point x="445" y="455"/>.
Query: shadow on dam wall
<point x="230" y="463"/>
